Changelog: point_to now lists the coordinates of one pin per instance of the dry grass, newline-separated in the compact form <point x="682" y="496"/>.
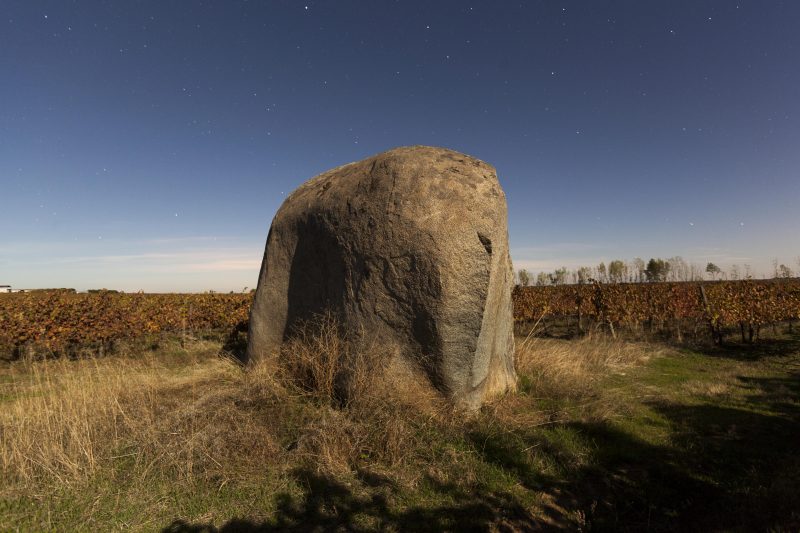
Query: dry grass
<point x="329" y="402"/>
<point x="64" y="420"/>
<point x="708" y="389"/>
<point x="560" y="369"/>
<point x="327" y="405"/>
<point x="565" y="381"/>
<point x="191" y="417"/>
<point x="364" y="410"/>
<point x="321" y="362"/>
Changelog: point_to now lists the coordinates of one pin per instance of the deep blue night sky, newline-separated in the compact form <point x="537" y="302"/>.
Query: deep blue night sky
<point x="147" y="144"/>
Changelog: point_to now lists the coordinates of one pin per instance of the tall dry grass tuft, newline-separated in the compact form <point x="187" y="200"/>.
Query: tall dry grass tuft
<point x="321" y="361"/>
<point x="571" y="376"/>
<point x="559" y="368"/>
<point x="370" y="406"/>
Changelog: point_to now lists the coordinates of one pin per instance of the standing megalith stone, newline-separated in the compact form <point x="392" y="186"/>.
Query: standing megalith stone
<point x="409" y="247"/>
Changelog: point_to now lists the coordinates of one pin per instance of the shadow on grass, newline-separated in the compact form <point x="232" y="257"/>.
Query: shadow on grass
<point x="747" y="450"/>
<point x="727" y="466"/>
<point x="756" y="351"/>
<point x="626" y="484"/>
<point x="332" y="506"/>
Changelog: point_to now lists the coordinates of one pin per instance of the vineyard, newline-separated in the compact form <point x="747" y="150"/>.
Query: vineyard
<point x="715" y="308"/>
<point x="63" y="322"/>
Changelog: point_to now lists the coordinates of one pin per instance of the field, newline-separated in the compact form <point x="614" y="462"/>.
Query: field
<point x="603" y="434"/>
<point x="613" y="428"/>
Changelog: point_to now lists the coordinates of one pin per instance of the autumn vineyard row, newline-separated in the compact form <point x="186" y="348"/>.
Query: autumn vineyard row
<point x="61" y="321"/>
<point x="746" y="306"/>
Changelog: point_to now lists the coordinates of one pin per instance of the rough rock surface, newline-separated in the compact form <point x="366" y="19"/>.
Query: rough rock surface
<point x="409" y="247"/>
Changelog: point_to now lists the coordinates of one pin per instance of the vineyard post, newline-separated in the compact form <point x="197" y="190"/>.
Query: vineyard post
<point x="186" y="320"/>
<point x="716" y="335"/>
<point x="601" y="309"/>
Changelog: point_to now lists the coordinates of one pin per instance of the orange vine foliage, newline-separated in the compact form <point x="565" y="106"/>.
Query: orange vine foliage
<point x="59" y="320"/>
<point x="730" y="303"/>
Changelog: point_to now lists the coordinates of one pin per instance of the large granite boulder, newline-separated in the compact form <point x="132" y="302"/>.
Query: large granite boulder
<point x="409" y="247"/>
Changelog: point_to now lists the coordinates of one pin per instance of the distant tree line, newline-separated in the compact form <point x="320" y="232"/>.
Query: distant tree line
<point x="637" y="270"/>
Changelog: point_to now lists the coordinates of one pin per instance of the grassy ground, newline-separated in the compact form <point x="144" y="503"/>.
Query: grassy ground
<point x="602" y="435"/>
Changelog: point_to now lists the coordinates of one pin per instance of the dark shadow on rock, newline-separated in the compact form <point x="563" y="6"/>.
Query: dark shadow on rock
<point x="327" y="277"/>
<point x="316" y="275"/>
